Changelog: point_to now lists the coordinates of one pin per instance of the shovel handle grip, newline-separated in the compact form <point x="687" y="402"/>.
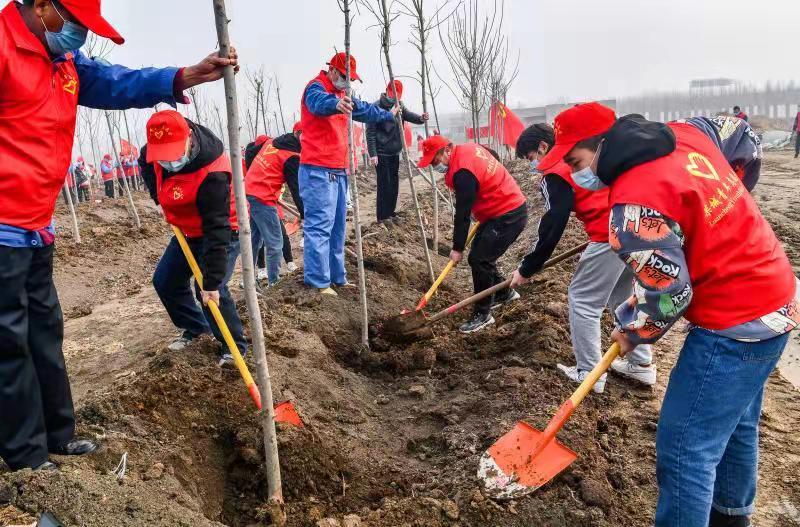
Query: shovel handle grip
<point x="449" y="267"/>
<point x="499" y="287"/>
<point x="223" y="327"/>
<point x="288" y="207"/>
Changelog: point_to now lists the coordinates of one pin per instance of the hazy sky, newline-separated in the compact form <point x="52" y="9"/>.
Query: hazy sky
<point x="569" y="49"/>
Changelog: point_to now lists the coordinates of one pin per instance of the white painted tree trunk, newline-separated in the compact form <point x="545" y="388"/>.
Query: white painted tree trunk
<point x="134" y="212"/>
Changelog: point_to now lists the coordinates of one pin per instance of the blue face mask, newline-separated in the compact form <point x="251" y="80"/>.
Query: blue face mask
<point x="586" y="178"/>
<point x="440" y="168"/>
<point x="535" y="165"/>
<point x="175" y="166"/>
<point x="71" y="37"/>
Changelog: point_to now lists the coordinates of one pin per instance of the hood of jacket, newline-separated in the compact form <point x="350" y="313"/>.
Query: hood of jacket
<point x="206" y="148"/>
<point x="288" y="142"/>
<point x="632" y="141"/>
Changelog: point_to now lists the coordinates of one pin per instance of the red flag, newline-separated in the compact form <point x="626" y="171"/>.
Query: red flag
<point x="505" y="124"/>
<point x="409" y="135"/>
<point x="126" y="149"/>
<point x="484" y="131"/>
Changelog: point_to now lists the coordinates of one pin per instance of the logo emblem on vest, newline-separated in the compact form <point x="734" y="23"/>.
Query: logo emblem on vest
<point x="70" y="84"/>
<point x="177" y="193"/>
<point x="695" y="169"/>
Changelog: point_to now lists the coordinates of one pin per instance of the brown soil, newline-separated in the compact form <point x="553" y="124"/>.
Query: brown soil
<point x="393" y="433"/>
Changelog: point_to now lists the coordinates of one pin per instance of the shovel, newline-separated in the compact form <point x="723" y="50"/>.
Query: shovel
<point x="415" y="326"/>
<point x="449" y="267"/>
<point x="252" y="387"/>
<point x="524" y="459"/>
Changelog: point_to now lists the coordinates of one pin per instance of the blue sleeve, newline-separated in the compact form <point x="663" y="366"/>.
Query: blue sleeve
<point x="118" y="88"/>
<point x="365" y="112"/>
<point x="320" y="102"/>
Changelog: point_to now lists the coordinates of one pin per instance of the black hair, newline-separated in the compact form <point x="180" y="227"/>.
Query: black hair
<point x="591" y="143"/>
<point x="736" y="108"/>
<point x="533" y="135"/>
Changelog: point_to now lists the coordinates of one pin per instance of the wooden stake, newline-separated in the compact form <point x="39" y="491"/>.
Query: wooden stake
<point x="275" y="492"/>
<point x="68" y="193"/>
<point x="362" y="283"/>
<point x="134" y="212"/>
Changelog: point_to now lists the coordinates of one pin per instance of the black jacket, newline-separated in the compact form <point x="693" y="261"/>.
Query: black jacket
<point x="383" y="139"/>
<point x="213" y="202"/>
<point x="632" y="141"/>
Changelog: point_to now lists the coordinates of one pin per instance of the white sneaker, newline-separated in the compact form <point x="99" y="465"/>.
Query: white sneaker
<point x="226" y="361"/>
<point x="179" y="343"/>
<point x="577" y="376"/>
<point x="644" y="375"/>
<point x="262" y="275"/>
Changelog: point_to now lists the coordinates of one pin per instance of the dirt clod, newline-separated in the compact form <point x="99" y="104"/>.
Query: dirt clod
<point x="596" y="493"/>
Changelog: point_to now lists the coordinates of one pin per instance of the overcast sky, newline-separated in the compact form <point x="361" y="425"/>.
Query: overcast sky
<point x="570" y="50"/>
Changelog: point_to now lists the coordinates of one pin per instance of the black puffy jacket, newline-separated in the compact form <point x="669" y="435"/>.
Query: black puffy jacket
<point x="383" y="139"/>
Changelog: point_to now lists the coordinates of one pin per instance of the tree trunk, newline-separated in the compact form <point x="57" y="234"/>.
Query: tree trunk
<point x="68" y="193"/>
<point x="362" y="280"/>
<point x="386" y="41"/>
<point x="132" y="205"/>
<point x="280" y="104"/>
<point x="423" y="74"/>
<point x="276" y="504"/>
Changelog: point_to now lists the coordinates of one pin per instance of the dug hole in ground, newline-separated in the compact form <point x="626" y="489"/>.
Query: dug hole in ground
<point x="393" y="435"/>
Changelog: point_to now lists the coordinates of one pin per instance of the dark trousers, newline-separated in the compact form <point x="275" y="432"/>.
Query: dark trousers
<point x="72" y="194"/>
<point x="388" y="186"/>
<point x="83" y="194"/>
<point x="492" y="241"/>
<point x="109" y="186"/>
<point x="287" y="245"/>
<point x="171" y="282"/>
<point x="36" y="412"/>
<point x="797" y="144"/>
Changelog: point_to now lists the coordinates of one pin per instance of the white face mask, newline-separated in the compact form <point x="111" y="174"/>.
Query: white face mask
<point x="175" y="166"/>
<point x="586" y="178"/>
<point x="340" y="84"/>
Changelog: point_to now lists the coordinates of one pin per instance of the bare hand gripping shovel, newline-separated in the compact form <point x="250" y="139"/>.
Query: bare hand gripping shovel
<point x="524" y="459"/>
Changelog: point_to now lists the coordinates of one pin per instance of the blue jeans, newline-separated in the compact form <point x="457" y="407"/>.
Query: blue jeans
<point x="266" y="227"/>
<point x="324" y="194"/>
<point x="707" y="439"/>
<point x="171" y="282"/>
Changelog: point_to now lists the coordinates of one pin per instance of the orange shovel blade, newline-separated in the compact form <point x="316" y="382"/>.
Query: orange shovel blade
<point x="509" y="469"/>
<point x="285" y="412"/>
<point x="292" y="226"/>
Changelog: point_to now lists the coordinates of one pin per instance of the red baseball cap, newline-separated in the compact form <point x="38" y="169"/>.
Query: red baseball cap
<point x="298" y="127"/>
<point x="261" y="139"/>
<point x="167" y="131"/>
<point x="339" y="62"/>
<point x="430" y="147"/>
<point x="572" y="126"/>
<point x="398" y="87"/>
<point x="87" y="12"/>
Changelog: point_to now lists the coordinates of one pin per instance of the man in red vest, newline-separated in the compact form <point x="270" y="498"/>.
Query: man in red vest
<point x="485" y="190"/>
<point x="600" y="279"/>
<point x="188" y="174"/>
<point x="43" y="79"/>
<point x="738" y="113"/>
<point x="700" y="249"/>
<point x="325" y="107"/>
<point x="796" y="131"/>
<point x="107" y="173"/>
<point x="275" y="164"/>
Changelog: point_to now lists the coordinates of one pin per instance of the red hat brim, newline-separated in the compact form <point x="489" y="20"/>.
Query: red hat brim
<point x="92" y="19"/>
<point x="555" y="155"/>
<point x="166" y="151"/>
<point x="427" y="159"/>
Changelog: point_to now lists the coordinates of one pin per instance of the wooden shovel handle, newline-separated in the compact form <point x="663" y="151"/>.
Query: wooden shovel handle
<point x="449" y="267"/>
<point x="499" y="287"/>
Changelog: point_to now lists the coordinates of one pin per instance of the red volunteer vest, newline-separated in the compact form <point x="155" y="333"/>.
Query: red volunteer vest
<point x="107" y="176"/>
<point x="798" y="122"/>
<point x="590" y="207"/>
<point x="265" y="178"/>
<point x="737" y="266"/>
<point x="178" y="196"/>
<point x="498" y="192"/>
<point x="38" y="107"/>
<point x="324" y="139"/>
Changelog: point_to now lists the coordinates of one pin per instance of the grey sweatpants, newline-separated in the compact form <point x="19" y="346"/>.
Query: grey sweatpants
<point x="600" y="280"/>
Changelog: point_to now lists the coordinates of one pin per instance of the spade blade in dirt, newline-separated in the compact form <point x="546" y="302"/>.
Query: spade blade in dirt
<point x="507" y="469"/>
<point x="524" y="459"/>
<point x="285" y="412"/>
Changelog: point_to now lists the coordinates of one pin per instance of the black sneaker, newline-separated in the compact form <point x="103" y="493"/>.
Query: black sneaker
<point x="510" y="297"/>
<point x="78" y="447"/>
<point x="718" y="519"/>
<point x="477" y="323"/>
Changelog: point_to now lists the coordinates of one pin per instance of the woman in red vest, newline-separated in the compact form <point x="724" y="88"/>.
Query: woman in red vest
<point x="682" y="220"/>
<point x="188" y="174"/>
<point x="274" y="164"/>
<point x="485" y="190"/>
<point x="600" y="279"/>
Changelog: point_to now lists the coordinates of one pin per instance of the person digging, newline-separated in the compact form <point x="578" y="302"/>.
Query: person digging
<point x="44" y="79"/>
<point x="485" y="190"/>
<point x="188" y="174"/>
<point x="275" y="164"/>
<point x="699" y="247"/>
<point x="323" y="179"/>
<point x="601" y="278"/>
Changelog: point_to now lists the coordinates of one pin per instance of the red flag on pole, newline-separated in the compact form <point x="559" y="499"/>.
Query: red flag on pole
<point x="505" y="124"/>
<point x="126" y="149"/>
<point x="409" y="135"/>
<point x="484" y="131"/>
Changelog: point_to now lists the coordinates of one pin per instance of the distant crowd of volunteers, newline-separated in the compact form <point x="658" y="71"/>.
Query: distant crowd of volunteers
<point x="673" y="232"/>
